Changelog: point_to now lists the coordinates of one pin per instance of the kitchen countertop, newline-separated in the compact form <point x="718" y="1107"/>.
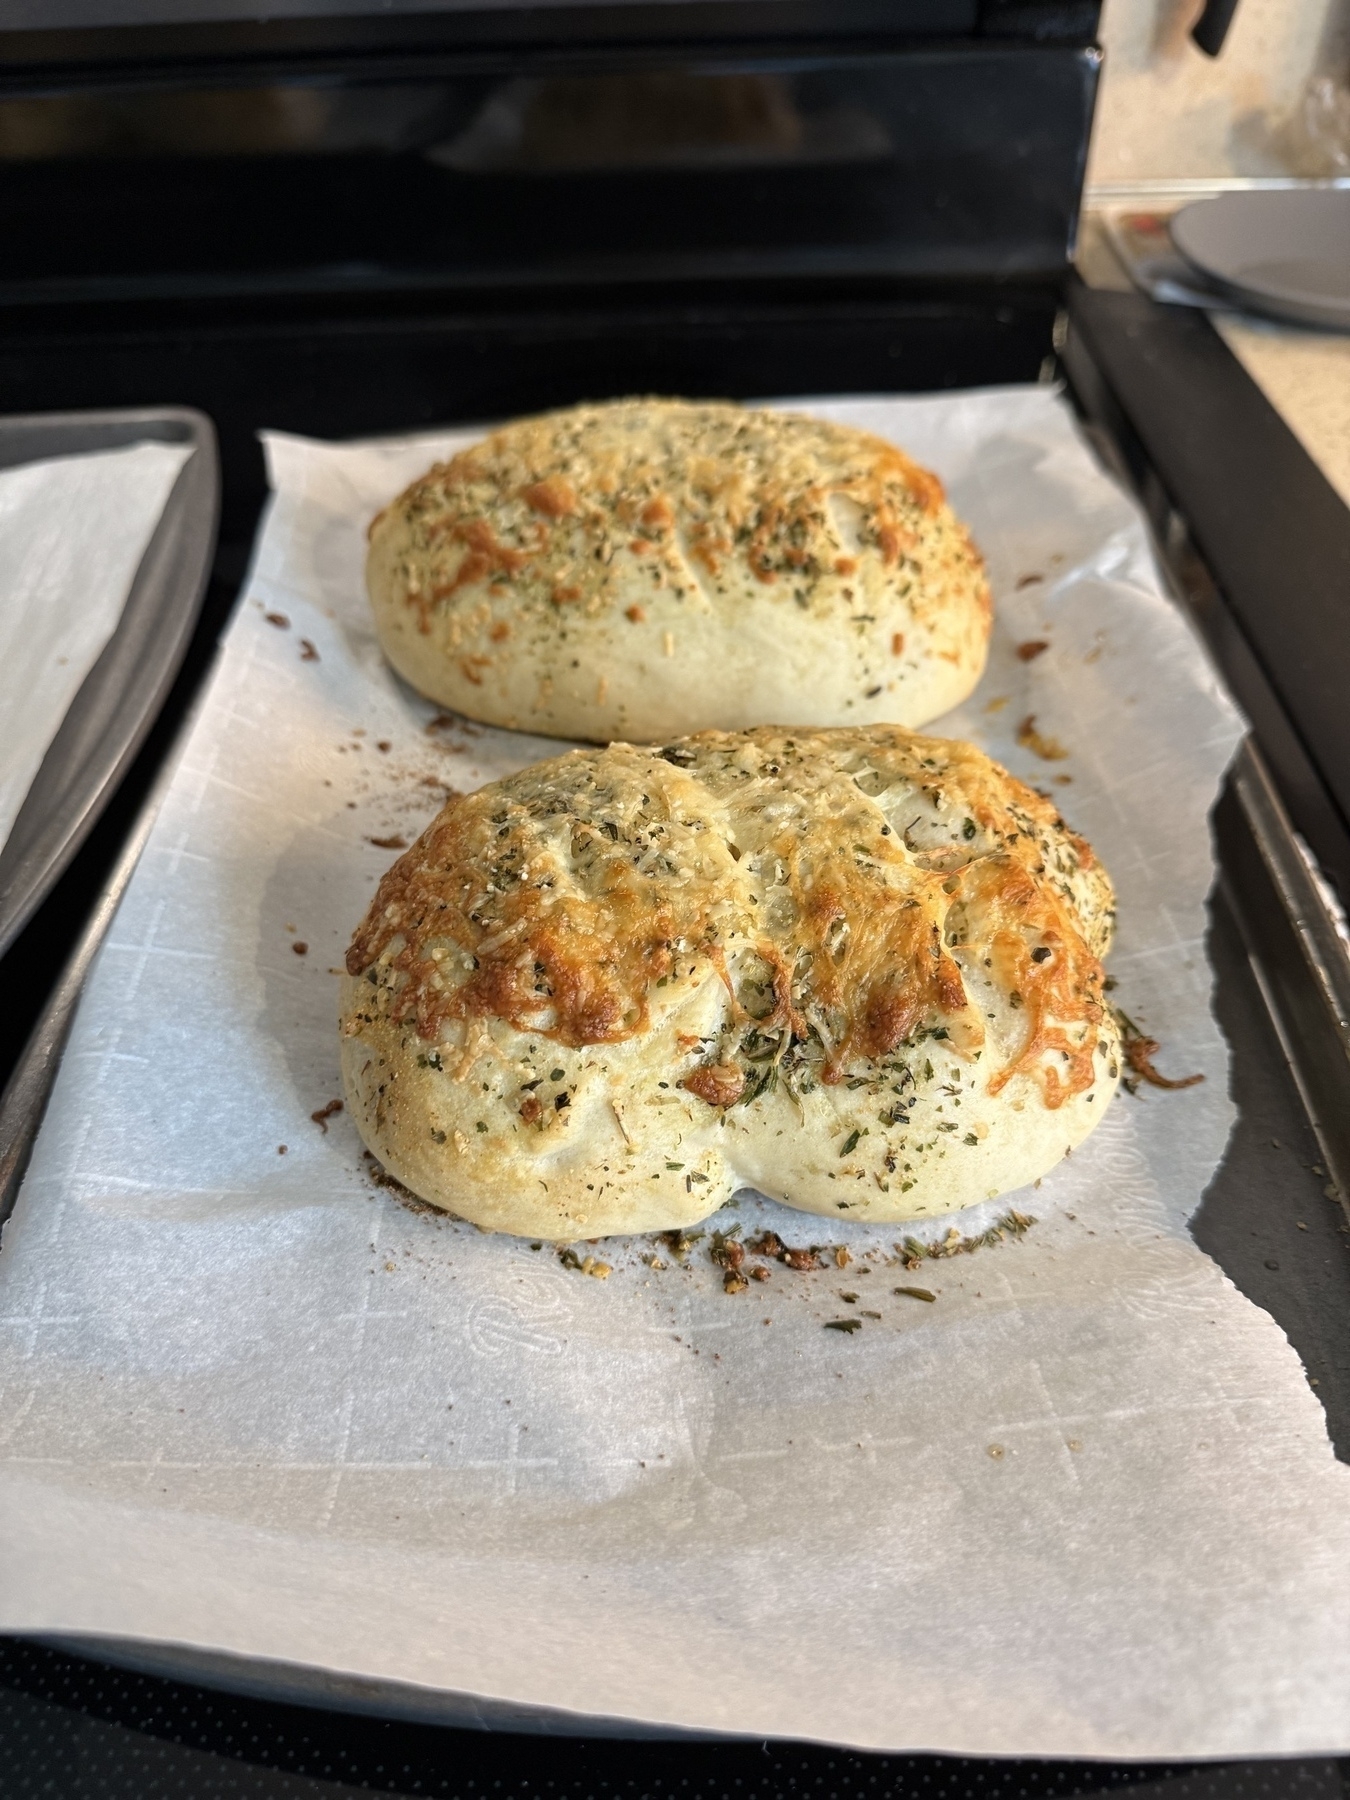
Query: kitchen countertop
<point x="1303" y="372"/>
<point x="1306" y="374"/>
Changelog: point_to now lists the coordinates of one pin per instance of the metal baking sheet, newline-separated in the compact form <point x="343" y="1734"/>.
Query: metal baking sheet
<point x="1292" y="1258"/>
<point x="24" y="1099"/>
<point x="123" y="692"/>
<point x="1263" y="1246"/>
<point x="300" y="693"/>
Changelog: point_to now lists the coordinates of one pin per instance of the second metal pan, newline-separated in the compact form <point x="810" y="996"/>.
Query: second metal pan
<point x="123" y="692"/>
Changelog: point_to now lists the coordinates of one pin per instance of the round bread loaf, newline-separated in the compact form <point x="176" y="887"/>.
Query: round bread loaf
<point x="654" y="567"/>
<point x="856" y="969"/>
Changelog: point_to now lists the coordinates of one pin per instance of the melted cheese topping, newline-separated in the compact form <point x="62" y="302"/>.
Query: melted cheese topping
<point x="849" y="888"/>
<point x="554" y="510"/>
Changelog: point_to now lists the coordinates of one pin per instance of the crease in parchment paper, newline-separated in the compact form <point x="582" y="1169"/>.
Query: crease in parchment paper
<point x="1081" y="1504"/>
<point x="73" y="530"/>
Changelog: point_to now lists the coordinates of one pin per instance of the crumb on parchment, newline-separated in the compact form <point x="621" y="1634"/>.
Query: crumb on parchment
<point x="1040" y="743"/>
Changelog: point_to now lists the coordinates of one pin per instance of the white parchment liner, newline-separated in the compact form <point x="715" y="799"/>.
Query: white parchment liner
<point x="73" y="530"/>
<point x="1082" y="1504"/>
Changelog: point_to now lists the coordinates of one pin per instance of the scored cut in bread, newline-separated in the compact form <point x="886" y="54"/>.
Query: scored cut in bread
<point x="649" y="568"/>
<point x="856" y="969"/>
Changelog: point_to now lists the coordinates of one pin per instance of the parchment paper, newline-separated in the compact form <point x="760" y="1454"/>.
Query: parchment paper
<point x="73" y="530"/>
<point x="1082" y="1504"/>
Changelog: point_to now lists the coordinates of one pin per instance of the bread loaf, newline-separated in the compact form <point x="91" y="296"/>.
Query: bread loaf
<point x="649" y="568"/>
<point x="856" y="969"/>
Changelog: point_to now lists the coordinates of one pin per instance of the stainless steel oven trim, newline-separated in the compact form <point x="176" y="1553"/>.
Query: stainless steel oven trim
<point x="1297" y="954"/>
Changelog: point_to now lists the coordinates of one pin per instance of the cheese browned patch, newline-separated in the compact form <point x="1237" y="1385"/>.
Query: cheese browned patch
<point x="767" y="546"/>
<point x="759" y="944"/>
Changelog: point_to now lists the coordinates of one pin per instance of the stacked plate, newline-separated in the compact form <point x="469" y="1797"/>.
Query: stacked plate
<point x="1286" y="253"/>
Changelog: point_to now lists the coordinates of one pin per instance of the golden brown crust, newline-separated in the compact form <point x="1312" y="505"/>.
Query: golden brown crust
<point x="569" y="528"/>
<point x="556" y="901"/>
<point x="740" y="484"/>
<point x="857" y="969"/>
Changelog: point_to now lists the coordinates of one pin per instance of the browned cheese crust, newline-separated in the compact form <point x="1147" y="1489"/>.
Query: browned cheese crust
<point x="738" y="938"/>
<point x="649" y="567"/>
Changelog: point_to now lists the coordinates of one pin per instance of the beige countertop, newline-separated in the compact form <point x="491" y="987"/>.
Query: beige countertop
<point x="1303" y="372"/>
<point x="1306" y="374"/>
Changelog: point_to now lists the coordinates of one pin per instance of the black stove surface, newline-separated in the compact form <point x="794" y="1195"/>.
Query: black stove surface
<point x="71" y="1727"/>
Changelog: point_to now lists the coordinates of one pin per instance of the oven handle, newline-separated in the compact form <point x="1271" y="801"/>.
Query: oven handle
<point x="1211" y="28"/>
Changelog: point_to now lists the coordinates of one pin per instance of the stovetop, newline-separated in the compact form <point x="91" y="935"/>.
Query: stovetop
<point x="352" y="291"/>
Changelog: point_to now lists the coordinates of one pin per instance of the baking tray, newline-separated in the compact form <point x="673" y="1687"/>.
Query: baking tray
<point x="1271" y="1217"/>
<point x="1256" y="825"/>
<point x="123" y="692"/>
<point x="25" y="1096"/>
<point x="1274" y="1230"/>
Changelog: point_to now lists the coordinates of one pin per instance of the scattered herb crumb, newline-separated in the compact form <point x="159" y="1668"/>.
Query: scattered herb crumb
<point x="585" y="1265"/>
<point x="727" y="1252"/>
<point x="325" y="1113"/>
<point x="1140" y="1049"/>
<point x="1040" y="743"/>
<point x="381" y="1178"/>
<point x="680" y="1243"/>
<point x="1012" y="1224"/>
<point x="800" y="1259"/>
